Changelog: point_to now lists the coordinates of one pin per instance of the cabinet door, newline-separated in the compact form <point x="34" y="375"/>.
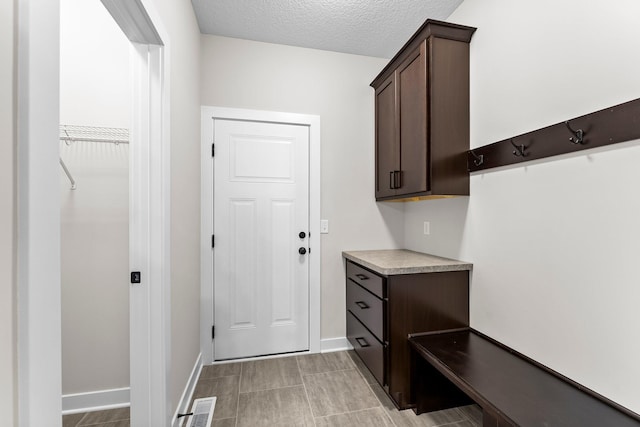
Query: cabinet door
<point x="387" y="150"/>
<point x="411" y="81"/>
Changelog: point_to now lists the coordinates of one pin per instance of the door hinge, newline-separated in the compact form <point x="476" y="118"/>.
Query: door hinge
<point x="213" y="241"/>
<point x="213" y="331"/>
<point x="213" y="150"/>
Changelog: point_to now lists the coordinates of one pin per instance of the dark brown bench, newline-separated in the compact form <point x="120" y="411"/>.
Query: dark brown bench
<point x="453" y="368"/>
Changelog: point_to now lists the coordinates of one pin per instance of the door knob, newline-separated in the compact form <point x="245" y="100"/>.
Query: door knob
<point x="302" y="235"/>
<point x="302" y="251"/>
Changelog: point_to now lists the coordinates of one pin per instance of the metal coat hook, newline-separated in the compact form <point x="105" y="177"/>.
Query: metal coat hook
<point x="519" y="149"/>
<point x="479" y="159"/>
<point x="578" y="134"/>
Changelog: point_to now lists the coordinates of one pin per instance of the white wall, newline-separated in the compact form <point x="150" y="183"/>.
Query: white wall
<point x="180" y="22"/>
<point x="94" y="91"/>
<point x="8" y="345"/>
<point x="554" y="243"/>
<point x="95" y="265"/>
<point x="95" y="87"/>
<point x="246" y="74"/>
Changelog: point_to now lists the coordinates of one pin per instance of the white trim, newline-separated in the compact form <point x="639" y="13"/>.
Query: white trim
<point x="255" y="358"/>
<point x="187" y="394"/>
<point x="95" y="401"/>
<point x="150" y="231"/>
<point x="206" y="230"/>
<point x="206" y="224"/>
<point x="38" y="220"/>
<point x="133" y="19"/>
<point x="329" y="345"/>
<point x="149" y="217"/>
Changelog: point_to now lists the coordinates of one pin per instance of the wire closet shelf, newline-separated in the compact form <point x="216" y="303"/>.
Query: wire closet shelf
<point x="74" y="133"/>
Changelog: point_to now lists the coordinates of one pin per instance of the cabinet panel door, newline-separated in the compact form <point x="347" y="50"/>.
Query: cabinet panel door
<point x="411" y="78"/>
<point x="387" y="151"/>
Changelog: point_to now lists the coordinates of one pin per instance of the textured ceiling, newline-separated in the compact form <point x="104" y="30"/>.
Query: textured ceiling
<point x="363" y="27"/>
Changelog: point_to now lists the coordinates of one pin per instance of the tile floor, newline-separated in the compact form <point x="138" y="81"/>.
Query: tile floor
<point x="330" y="389"/>
<point x="110" y="418"/>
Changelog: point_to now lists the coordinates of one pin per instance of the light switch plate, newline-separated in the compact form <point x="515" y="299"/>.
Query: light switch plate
<point x="324" y="226"/>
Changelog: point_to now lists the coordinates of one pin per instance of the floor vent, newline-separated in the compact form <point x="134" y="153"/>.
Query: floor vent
<point x="202" y="412"/>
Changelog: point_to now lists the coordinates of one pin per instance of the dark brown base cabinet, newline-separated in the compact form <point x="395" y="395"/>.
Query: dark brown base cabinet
<point x="383" y="310"/>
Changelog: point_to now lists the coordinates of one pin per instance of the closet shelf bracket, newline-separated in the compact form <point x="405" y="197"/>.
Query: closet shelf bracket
<point x="66" y="171"/>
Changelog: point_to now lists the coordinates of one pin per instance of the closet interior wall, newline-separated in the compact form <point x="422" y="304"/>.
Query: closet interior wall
<point x="94" y="91"/>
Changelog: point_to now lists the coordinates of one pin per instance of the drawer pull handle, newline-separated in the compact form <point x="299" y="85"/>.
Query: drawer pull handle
<point x="363" y="305"/>
<point x="360" y="342"/>
<point x="362" y="277"/>
<point x="395" y="180"/>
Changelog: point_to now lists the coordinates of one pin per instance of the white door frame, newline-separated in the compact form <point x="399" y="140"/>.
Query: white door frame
<point x="206" y="219"/>
<point x="38" y="281"/>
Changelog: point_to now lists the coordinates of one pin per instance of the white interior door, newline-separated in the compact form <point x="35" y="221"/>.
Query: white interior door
<point x="261" y="229"/>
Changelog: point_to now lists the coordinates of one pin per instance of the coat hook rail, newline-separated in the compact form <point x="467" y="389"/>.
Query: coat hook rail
<point x="578" y="135"/>
<point x="478" y="160"/>
<point x="612" y="125"/>
<point x="519" y="149"/>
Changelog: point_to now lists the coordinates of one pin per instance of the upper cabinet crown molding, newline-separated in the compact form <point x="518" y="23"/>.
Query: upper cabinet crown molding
<point x="431" y="27"/>
<point x="422" y="116"/>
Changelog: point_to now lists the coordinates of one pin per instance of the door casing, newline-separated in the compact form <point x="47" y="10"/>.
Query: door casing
<point x="208" y="113"/>
<point x="38" y="276"/>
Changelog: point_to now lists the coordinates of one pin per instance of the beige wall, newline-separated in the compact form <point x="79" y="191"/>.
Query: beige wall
<point x="8" y="345"/>
<point x="180" y="22"/>
<point x="245" y="74"/>
<point x="554" y="243"/>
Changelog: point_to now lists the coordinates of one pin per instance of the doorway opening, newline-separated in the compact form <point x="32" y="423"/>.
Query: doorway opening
<point x="282" y="266"/>
<point x="95" y="118"/>
<point x="38" y="277"/>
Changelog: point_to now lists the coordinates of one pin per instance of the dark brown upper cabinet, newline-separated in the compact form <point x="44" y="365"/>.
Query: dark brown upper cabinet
<point x="422" y="116"/>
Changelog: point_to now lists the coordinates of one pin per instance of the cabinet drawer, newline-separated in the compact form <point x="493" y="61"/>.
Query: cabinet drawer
<point x="370" y="350"/>
<point x="368" y="280"/>
<point x="368" y="308"/>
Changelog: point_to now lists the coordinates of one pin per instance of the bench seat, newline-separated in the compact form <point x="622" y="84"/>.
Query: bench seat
<point x="449" y="368"/>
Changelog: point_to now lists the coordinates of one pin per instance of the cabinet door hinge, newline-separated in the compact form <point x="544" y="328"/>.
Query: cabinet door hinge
<point x="213" y="331"/>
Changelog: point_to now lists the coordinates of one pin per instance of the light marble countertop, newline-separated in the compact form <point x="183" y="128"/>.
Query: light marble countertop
<point x="401" y="261"/>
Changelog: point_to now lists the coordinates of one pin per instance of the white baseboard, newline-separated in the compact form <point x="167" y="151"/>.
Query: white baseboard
<point x="335" y="344"/>
<point x="95" y="401"/>
<point x="187" y="394"/>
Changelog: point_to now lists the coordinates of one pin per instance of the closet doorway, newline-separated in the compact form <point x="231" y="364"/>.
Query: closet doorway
<point x="95" y="118"/>
<point x="38" y="241"/>
<point x="113" y="172"/>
